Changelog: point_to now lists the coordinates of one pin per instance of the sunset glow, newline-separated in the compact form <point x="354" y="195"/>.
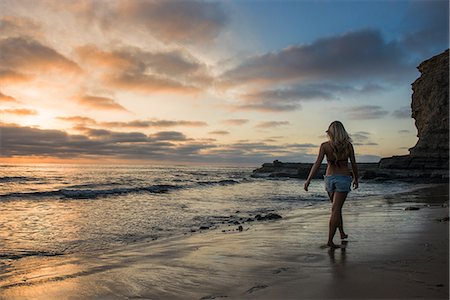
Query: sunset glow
<point x="226" y="82"/>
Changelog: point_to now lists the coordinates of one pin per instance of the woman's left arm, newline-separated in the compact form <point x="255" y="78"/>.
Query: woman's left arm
<point x="354" y="167"/>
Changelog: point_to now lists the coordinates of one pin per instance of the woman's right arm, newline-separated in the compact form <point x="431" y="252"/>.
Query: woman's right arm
<point x="315" y="167"/>
<point x="354" y="167"/>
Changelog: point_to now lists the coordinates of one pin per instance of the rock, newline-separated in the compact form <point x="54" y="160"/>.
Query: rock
<point x="236" y="223"/>
<point x="412" y="208"/>
<point x="269" y="216"/>
<point x="240" y="228"/>
<point x="204" y="227"/>
<point x="430" y="110"/>
<point x="272" y="216"/>
<point x="443" y="219"/>
<point x="249" y="220"/>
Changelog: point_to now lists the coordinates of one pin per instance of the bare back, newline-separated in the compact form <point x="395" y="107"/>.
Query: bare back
<point x="339" y="167"/>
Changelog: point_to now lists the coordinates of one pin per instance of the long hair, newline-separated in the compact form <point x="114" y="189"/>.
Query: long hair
<point x="340" y="141"/>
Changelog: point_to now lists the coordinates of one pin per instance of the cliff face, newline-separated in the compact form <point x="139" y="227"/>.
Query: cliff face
<point x="430" y="110"/>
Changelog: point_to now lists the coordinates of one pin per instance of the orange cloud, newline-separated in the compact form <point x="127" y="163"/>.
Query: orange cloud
<point x="270" y="124"/>
<point x="235" y="121"/>
<point x="8" y="76"/>
<point x="79" y="120"/>
<point x="92" y="55"/>
<point x="153" y="123"/>
<point x="6" y="98"/>
<point x="148" y="83"/>
<point x="220" y="132"/>
<point x="19" y="26"/>
<point x="29" y="55"/>
<point x="132" y="68"/>
<point x="100" y="102"/>
<point x="20" y="111"/>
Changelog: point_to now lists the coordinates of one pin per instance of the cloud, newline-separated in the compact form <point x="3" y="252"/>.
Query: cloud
<point x="100" y="102"/>
<point x="11" y="26"/>
<point x="8" y="76"/>
<point x="187" y="21"/>
<point x="5" y="98"/>
<point x="271" y="124"/>
<point x="365" y="112"/>
<point x="154" y="123"/>
<point x="235" y="121"/>
<point x="404" y="131"/>
<point x="290" y="97"/>
<point x="24" y="141"/>
<point x="19" y="111"/>
<point x="132" y="68"/>
<point x="148" y="84"/>
<point x="169" y="135"/>
<point x="357" y="55"/>
<point x="25" y="54"/>
<point x="79" y="120"/>
<point x="361" y="138"/>
<point x="301" y="146"/>
<point x="219" y="132"/>
<point x="402" y="113"/>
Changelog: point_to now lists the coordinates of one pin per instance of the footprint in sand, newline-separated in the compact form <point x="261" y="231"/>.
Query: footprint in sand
<point x="256" y="288"/>
<point x="212" y="297"/>
<point x="279" y="270"/>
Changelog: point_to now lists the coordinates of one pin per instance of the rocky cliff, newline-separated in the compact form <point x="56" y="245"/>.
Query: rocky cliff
<point x="430" y="109"/>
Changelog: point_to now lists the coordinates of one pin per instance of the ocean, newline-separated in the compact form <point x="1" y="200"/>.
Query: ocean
<point x="58" y="209"/>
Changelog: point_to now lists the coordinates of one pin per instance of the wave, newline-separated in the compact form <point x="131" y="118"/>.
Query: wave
<point x="218" y="182"/>
<point x="21" y="254"/>
<point x="9" y="179"/>
<point x="87" y="191"/>
<point x="92" y="194"/>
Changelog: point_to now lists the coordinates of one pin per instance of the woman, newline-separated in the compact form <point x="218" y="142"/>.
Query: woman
<point x="338" y="178"/>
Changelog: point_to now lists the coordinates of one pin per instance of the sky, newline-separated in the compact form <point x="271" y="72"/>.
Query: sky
<point x="209" y="82"/>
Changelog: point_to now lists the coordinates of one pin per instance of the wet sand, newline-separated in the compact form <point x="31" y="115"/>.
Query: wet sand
<point x="391" y="253"/>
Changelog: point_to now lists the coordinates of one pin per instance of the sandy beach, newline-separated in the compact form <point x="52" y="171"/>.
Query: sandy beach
<point x="392" y="252"/>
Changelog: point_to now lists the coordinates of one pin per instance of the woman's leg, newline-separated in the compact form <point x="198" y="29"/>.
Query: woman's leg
<point x="336" y="216"/>
<point x="331" y="195"/>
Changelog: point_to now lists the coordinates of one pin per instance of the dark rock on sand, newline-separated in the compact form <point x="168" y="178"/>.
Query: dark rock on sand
<point x="204" y="227"/>
<point x="412" y="208"/>
<point x="240" y="228"/>
<point x="445" y="219"/>
<point x="269" y="216"/>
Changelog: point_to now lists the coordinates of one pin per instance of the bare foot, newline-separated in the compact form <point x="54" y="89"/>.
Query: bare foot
<point x="344" y="236"/>
<point x="332" y="245"/>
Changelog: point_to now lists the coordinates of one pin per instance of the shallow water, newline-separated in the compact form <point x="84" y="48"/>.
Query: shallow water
<point x="59" y="209"/>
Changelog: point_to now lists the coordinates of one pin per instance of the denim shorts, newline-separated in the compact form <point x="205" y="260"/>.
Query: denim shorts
<point x="337" y="183"/>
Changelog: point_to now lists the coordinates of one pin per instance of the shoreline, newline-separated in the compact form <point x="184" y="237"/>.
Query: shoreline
<point x="404" y="251"/>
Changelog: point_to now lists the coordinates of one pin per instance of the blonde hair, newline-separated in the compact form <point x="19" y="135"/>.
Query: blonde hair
<point x="340" y="141"/>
